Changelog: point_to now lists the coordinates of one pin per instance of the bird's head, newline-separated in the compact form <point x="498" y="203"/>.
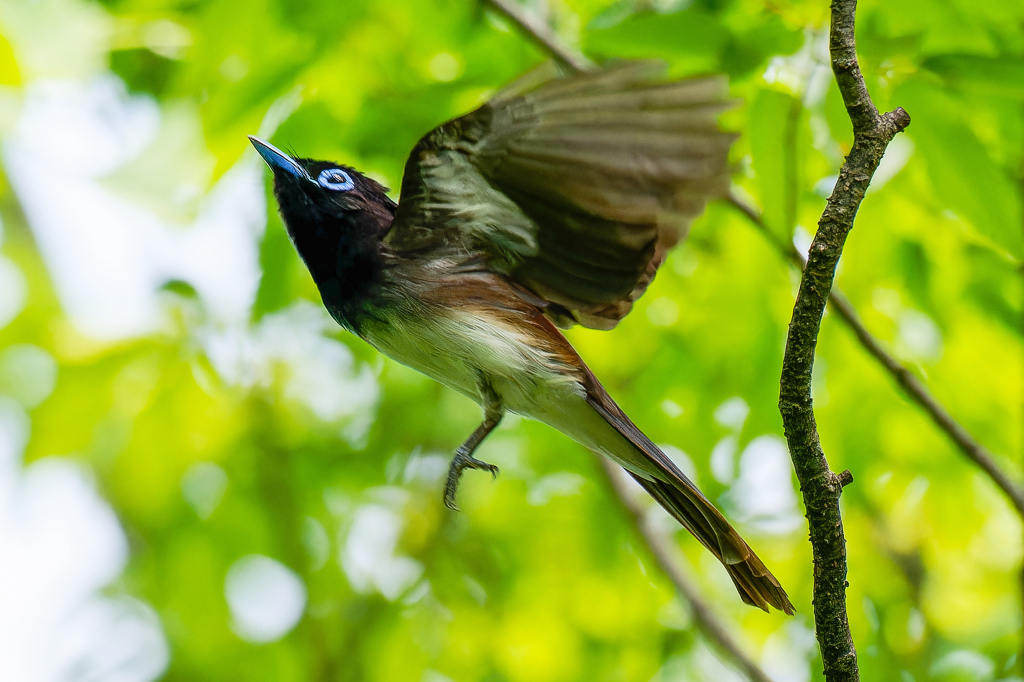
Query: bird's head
<point x="336" y="217"/>
<point x="326" y="198"/>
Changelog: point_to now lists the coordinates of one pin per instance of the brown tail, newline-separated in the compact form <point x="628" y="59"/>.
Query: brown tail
<point x="755" y="583"/>
<point x="681" y="498"/>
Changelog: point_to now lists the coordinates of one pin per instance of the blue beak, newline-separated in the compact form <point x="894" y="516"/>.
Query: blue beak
<point x="278" y="160"/>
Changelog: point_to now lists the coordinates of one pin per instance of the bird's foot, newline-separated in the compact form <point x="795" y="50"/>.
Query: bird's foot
<point x="461" y="461"/>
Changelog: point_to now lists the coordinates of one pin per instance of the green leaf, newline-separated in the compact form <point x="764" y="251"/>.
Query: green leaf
<point x="773" y="118"/>
<point x="1000" y="76"/>
<point x="692" y="40"/>
<point x="966" y="177"/>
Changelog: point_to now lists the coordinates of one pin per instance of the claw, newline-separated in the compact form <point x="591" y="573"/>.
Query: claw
<point x="464" y="458"/>
<point x="460" y="462"/>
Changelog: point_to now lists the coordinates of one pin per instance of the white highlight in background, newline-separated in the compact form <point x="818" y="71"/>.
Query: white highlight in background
<point x="369" y="557"/>
<point x="265" y="597"/>
<point x="108" y="255"/>
<point x="203" y="485"/>
<point x="62" y="545"/>
<point x="763" y="494"/>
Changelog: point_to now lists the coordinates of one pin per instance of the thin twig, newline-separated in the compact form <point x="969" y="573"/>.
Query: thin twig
<point x="666" y="556"/>
<point x="910" y="383"/>
<point x="541" y="34"/>
<point x="820" y="487"/>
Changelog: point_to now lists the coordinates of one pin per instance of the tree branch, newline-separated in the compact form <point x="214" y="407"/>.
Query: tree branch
<point x="910" y="383"/>
<point x="666" y="556"/>
<point x="821" y="488"/>
<point x="541" y="34"/>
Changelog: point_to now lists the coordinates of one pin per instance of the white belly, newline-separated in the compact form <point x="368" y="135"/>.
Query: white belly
<point x="460" y="350"/>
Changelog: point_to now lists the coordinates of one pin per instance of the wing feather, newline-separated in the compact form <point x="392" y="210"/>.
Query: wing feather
<point x="576" y="187"/>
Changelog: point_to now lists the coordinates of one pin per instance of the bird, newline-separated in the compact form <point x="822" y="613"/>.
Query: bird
<point x="552" y="204"/>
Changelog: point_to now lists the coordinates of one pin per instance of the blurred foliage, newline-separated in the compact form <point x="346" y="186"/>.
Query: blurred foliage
<point x="334" y="469"/>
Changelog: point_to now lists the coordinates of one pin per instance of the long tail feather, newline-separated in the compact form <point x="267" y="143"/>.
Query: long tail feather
<point x="755" y="583"/>
<point x="663" y="480"/>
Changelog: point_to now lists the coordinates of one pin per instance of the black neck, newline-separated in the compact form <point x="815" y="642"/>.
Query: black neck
<point x="346" y="265"/>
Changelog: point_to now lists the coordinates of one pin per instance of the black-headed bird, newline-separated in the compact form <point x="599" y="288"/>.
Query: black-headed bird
<point x="552" y="204"/>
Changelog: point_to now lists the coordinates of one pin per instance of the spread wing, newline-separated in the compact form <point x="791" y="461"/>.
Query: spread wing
<point x="575" y="187"/>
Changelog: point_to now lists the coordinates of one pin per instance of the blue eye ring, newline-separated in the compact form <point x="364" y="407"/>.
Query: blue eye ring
<point x="336" y="179"/>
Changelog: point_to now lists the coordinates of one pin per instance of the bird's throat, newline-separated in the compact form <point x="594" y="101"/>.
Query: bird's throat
<point x="346" y="267"/>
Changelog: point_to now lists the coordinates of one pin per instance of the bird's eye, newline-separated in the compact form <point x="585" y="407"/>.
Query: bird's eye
<point x="336" y="179"/>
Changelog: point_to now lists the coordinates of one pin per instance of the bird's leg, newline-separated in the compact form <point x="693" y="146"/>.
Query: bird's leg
<point x="464" y="458"/>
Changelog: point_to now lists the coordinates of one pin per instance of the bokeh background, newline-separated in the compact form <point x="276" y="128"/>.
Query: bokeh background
<point x="202" y="478"/>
